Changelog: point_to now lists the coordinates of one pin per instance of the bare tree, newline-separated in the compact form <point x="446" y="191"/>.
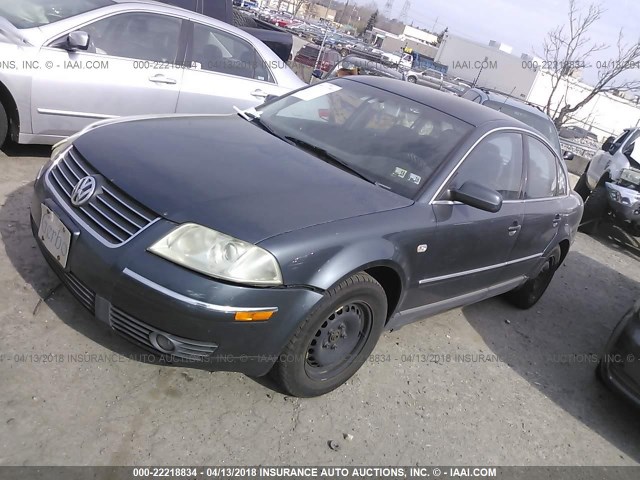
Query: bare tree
<point x="569" y="48"/>
<point x="298" y="4"/>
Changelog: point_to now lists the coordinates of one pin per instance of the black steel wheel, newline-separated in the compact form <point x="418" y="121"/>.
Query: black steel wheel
<point x="335" y="339"/>
<point x="581" y="187"/>
<point x="4" y="125"/>
<point x="595" y="209"/>
<point x="528" y="294"/>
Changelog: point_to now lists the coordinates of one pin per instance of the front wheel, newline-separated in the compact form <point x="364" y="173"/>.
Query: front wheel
<point x="333" y="342"/>
<point x="581" y="187"/>
<point x="4" y="125"/>
<point x="595" y="208"/>
<point x="412" y="80"/>
<point x="527" y="295"/>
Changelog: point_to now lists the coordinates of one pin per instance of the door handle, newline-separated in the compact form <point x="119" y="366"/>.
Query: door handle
<point x="513" y="229"/>
<point x="556" y="220"/>
<point x="162" y="79"/>
<point x="259" y="93"/>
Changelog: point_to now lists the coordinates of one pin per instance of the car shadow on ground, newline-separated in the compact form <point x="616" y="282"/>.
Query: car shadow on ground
<point x="14" y="150"/>
<point x="26" y="258"/>
<point x="556" y="344"/>
<point x="618" y="239"/>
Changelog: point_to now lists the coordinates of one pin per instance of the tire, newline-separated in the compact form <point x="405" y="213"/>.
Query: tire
<point x="527" y="295"/>
<point x="4" y="125"/>
<point x="344" y="52"/>
<point x="243" y="20"/>
<point x="412" y="80"/>
<point x="581" y="187"/>
<point x="335" y="339"/>
<point x="595" y="208"/>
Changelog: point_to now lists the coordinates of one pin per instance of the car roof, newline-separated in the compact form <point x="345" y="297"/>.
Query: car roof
<point x="470" y="112"/>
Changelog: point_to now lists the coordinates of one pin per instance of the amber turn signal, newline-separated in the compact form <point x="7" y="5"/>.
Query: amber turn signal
<point x="253" y="316"/>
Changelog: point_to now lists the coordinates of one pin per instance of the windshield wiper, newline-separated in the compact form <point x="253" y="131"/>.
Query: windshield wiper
<point x="324" y="155"/>
<point x="255" y="119"/>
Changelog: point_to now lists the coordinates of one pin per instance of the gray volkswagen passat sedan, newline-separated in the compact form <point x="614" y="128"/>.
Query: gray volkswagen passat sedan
<point x="287" y="238"/>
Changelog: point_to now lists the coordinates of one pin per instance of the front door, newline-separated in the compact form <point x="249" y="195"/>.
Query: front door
<point x="129" y="69"/>
<point x="471" y="246"/>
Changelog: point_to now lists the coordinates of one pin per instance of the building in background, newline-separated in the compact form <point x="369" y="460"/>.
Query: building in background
<point x="494" y="66"/>
<point x="490" y="65"/>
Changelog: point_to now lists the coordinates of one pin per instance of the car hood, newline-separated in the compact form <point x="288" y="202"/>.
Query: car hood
<point x="227" y="174"/>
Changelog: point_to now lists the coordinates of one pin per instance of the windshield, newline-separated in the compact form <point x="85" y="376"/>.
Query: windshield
<point x="35" y="13"/>
<point x="542" y="124"/>
<point x="391" y="140"/>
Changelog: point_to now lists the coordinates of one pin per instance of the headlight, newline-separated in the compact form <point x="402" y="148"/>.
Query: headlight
<point x="218" y="255"/>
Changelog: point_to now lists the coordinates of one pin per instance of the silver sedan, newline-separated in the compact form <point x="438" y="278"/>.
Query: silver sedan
<point x="67" y="63"/>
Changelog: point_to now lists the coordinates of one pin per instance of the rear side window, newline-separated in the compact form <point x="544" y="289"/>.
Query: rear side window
<point x="218" y="51"/>
<point x="562" y="180"/>
<point x="542" y="175"/>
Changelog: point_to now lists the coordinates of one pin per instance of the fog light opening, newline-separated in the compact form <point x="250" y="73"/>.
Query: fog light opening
<point x="162" y="342"/>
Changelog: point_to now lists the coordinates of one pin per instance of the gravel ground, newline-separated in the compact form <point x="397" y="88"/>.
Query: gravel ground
<point x="486" y="384"/>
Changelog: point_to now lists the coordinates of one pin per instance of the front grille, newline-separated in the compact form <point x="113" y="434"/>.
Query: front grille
<point x="140" y="332"/>
<point x="111" y="214"/>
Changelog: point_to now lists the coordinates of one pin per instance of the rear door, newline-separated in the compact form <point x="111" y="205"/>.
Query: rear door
<point x="224" y="71"/>
<point x="129" y="69"/>
<point x="546" y="184"/>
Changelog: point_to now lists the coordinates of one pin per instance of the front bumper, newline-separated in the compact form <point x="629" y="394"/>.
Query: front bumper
<point x="624" y="202"/>
<point x="620" y="364"/>
<point x="143" y="297"/>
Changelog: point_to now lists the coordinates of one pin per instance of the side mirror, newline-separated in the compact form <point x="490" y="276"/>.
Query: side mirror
<point x="317" y="73"/>
<point x="77" y="40"/>
<point x="478" y="196"/>
<point x="567" y="155"/>
<point x="606" y="146"/>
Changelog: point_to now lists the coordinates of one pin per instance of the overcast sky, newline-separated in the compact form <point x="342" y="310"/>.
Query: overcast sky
<point x="522" y="24"/>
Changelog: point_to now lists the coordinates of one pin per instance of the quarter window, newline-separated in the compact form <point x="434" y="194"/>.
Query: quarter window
<point x="495" y="163"/>
<point x="542" y="176"/>
<point x="141" y="36"/>
<point x="217" y="51"/>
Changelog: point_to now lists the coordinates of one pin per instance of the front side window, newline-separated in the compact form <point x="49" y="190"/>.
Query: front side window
<point x="562" y="179"/>
<point x="36" y="13"/>
<point x="390" y="139"/>
<point x="542" y="176"/>
<point x="495" y="163"/>
<point x="217" y="51"/>
<point x="139" y="36"/>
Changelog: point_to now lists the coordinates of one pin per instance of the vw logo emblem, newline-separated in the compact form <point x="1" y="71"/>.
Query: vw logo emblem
<point x="83" y="191"/>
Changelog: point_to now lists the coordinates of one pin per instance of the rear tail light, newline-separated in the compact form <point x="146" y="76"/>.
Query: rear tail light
<point x="323" y="113"/>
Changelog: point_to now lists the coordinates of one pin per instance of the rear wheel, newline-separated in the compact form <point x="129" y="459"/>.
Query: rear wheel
<point x="344" y="52"/>
<point x="595" y="208"/>
<point x="412" y="80"/>
<point x="4" y="125"/>
<point x="527" y="295"/>
<point x="334" y="341"/>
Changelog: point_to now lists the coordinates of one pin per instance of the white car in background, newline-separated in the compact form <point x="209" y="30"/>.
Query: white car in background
<point x="67" y="63"/>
